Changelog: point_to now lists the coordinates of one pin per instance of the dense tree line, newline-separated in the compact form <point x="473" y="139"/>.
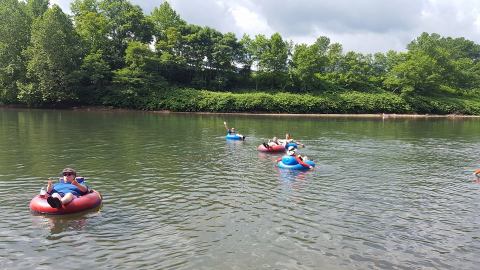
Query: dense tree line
<point x="108" y="52"/>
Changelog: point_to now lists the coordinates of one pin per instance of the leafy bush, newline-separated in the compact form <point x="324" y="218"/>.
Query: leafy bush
<point x="160" y="97"/>
<point x="352" y="102"/>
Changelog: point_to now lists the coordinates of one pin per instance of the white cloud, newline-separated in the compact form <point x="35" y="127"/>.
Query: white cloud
<point x="249" y="22"/>
<point x="477" y="23"/>
<point x="360" y="25"/>
<point x="451" y="18"/>
<point x="63" y="4"/>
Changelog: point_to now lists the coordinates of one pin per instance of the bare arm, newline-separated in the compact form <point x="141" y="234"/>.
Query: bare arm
<point x="225" y="124"/>
<point x="49" y="186"/>
<point x="300" y="161"/>
<point x="299" y="143"/>
<point x="81" y="187"/>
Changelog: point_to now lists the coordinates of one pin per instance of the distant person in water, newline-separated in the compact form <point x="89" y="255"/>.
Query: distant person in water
<point x="271" y="142"/>
<point x="292" y="151"/>
<point x="289" y="139"/>
<point x="232" y="131"/>
<point x="477" y="175"/>
<point x="66" y="190"/>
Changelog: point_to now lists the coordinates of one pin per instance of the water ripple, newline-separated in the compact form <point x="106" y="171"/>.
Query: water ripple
<point x="385" y="195"/>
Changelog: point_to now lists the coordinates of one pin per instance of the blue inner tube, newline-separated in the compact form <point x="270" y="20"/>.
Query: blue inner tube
<point x="233" y="137"/>
<point x="291" y="144"/>
<point x="289" y="162"/>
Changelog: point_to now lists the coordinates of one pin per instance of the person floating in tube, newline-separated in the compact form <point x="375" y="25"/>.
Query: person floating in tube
<point x="66" y="190"/>
<point x="292" y="151"/>
<point x="477" y="175"/>
<point x="232" y="131"/>
<point x="271" y="143"/>
<point x="289" y="140"/>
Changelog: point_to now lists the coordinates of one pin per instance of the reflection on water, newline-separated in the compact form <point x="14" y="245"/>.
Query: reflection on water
<point x="61" y="223"/>
<point x="292" y="176"/>
<point x="392" y="194"/>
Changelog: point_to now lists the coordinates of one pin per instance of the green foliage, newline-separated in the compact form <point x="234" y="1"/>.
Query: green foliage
<point x="107" y="57"/>
<point x="36" y="8"/>
<point x="191" y="100"/>
<point x="355" y="102"/>
<point x="434" y="60"/>
<point x="165" y="18"/>
<point x="136" y="85"/>
<point x="354" y="72"/>
<point x="15" y="34"/>
<point x="270" y="55"/>
<point x="133" y="88"/>
<point x="96" y="69"/>
<point x="109" y="25"/>
<point x="418" y="73"/>
<point x="170" y="32"/>
<point x="308" y="61"/>
<point x="94" y="75"/>
<point x="246" y="57"/>
<point x="52" y="57"/>
<point x="92" y="26"/>
<point x="444" y="104"/>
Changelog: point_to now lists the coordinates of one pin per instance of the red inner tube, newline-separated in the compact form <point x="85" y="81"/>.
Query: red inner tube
<point x="88" y="201"/>
<point x="275" y="148"/>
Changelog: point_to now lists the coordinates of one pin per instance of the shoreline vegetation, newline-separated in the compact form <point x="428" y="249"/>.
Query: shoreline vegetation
<point x="302" y="115"/>
<point x="112" y="54"/>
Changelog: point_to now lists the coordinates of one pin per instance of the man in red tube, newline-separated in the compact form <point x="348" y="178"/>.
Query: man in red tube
<point x="66" y="190"/>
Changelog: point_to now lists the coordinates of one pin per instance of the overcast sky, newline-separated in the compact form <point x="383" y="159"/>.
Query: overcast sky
<point x="365" y="26"/>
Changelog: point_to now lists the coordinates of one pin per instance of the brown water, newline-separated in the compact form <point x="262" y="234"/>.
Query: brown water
<point x="392" y="194"/>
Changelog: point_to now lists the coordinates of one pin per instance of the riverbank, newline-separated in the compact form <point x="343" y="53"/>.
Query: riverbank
<point x="332" y="104"/>
<point x="343" y="103"/>
<point x="304" y="115"/>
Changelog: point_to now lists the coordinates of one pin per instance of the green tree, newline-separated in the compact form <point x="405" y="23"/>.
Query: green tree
<point x="456" y="58"/>
<point x="271" y="59"/>
<point x="36" y="8"/>
<point x="139" y="83"/>
<point x="92" y="26"/>
<point x="94" y="76"/>
<point x="226" y="53"/>
<point x="418" y="73"/>
<point x="53" y="56"/>
<point x="164" y="18"/>
<point x="169" y="31"/>
<point x="246" y="55"/>
<point x="381" y="64"/>
<point x="356" y="72"/>
<point x="308" y="61"/>
<point x="333" y="68"/>
<point x="217" y="52"/>
<point x="109" y="25"/>
<point x="15" y="35"/>
<point x="126" y="23"/>
<point x="275" y="55"/>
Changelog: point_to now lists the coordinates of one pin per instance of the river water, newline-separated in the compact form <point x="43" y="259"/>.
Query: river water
<point x="386" y="194"/>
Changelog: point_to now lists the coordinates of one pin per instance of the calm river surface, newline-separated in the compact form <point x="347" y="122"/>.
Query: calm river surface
<point x="391" y="194"/>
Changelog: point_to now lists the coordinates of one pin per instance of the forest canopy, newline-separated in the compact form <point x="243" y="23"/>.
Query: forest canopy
<point x="110" y="53"/>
